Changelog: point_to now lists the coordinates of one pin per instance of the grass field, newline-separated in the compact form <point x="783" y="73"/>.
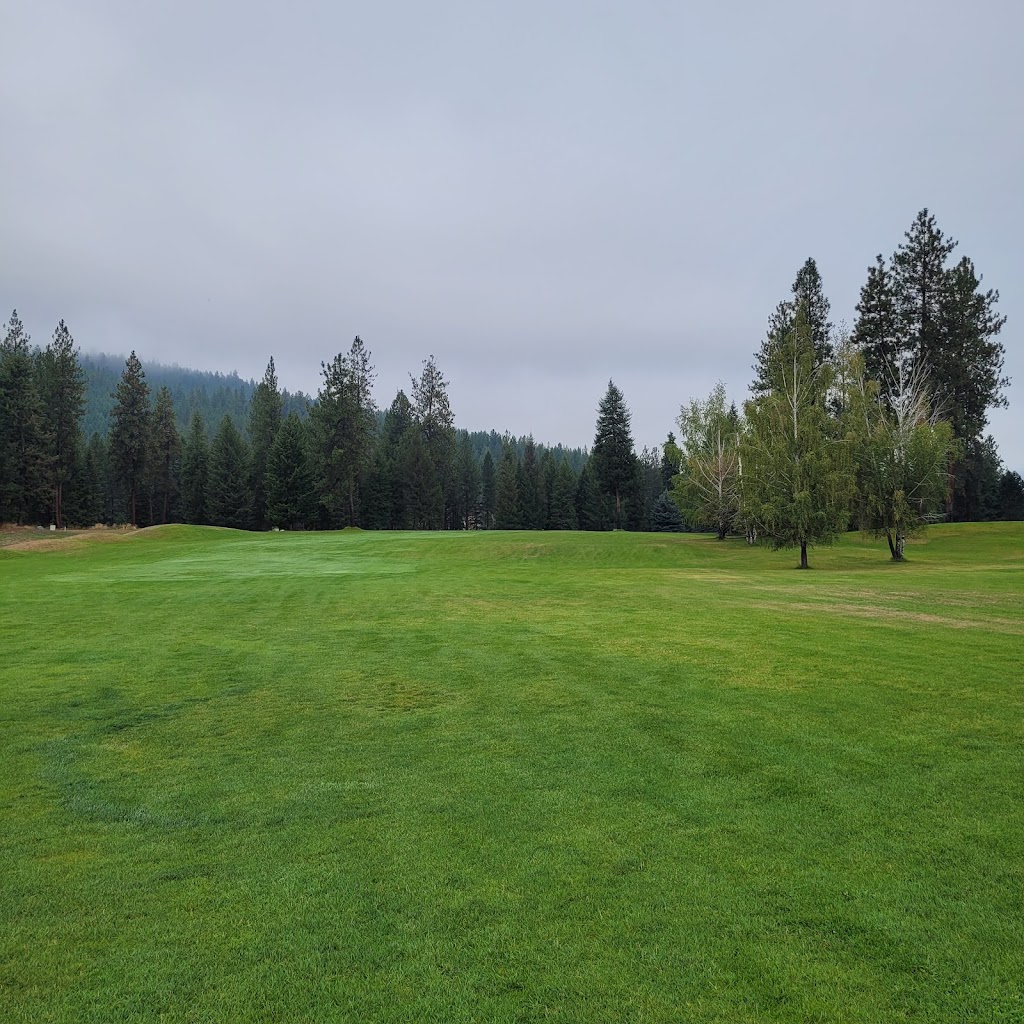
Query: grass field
<point x="511" y="777"/>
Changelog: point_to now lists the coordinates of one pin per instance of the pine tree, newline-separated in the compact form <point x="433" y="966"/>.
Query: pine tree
<point x="487" y="491"/>
<point x="531" y="494"/>
<point x="229" y="500"/>
<point x="265" y="412"/>
<point x="62" y="384"/>
<point x="291" y="490"/>
<point x="343" y="422"/>
<point x="797" y="473"/>
<point x="562" y="514"/>
<point x="919" y="279"/>
<point x="469" y="486"/>
<point x="1011" y="496"/>
<point x="592" y="506"/>
<point x="671" y="458"/>
<point x="164" y="455"/>
<point x="433" y="415"/>
<point x="130" y="431"/>
<point x="396" y="451"/>
<point x="968" y="362"/>
<point x="94" y="491"/>
<point x="877" y="334"/>
<point x="612" y="460"/>
<point x="195" y="471"/>
<point x="666" y="517"/>
<point x="508" y="512"/>
<point x="23" y="442"/>
<point x="808" y="295"/>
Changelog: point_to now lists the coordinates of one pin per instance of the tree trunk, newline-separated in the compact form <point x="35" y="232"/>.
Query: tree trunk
<point x="133" y="504"/>
<point x="803" y="554"/>
<point x="892" y="547"/>
<point x="56" y="506"/>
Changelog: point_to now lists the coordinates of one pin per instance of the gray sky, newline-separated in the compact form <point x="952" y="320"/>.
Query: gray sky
<point x="542" y="194"/>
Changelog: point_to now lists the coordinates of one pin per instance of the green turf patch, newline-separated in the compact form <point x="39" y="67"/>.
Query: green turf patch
<point x="511" y="777"/>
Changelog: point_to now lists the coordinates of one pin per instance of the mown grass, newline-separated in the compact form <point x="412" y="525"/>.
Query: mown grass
<point x="511" y="777"/>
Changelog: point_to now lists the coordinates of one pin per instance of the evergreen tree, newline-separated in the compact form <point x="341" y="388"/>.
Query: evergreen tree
<point x="592" y="506"/>
<point x="531" y="489"/>
<point x="976" y="479"/>
<point x="396" y="452"/>
<point x="422" y="494"/>
<point x="666" y="517"/>
<point x="344" y="421"/>
<point x="1011" y="496"/>
<point x="508" y="513"/>
<point x="487" y="491"/>
<point x="433" y="415"/>
<point x="469" y="486"/>
<point x="265" y="410"/>
<point x="195" y="471"/>
<point x="671" y="459"/>
<point x="291" y="489"/>
<point x="612" y="460"/>
<point x="88" y="504"/>
<point x="919" y="279"/>
<point x="967" y="361"/>
<point x="562" y="513"/>
<point x="130" y="431"/>
<point x="877" y="334"/>
<point x="797" y="473"/>
<point x="229" y="501"/>
<point x="808" y="295"/>
<point x="164" y="455"/>
<point x="648" y="488"/>
<point x="548" y="473"/>
<point x="23" y="442"/>
<point x="62" y="384"/>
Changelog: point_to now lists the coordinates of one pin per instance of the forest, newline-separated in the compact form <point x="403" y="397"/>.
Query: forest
<point x="881" y="428"/>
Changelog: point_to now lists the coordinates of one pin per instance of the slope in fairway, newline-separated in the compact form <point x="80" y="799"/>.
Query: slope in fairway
<point x="511" y="777"/>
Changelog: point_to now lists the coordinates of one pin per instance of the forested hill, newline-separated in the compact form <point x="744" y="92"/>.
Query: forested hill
<point x="214" y="395"/>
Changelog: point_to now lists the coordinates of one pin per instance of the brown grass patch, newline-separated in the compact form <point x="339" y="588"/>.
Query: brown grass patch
<point x="864" y="611"/>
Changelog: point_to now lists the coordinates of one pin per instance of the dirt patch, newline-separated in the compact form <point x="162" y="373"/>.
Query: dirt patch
<point x="28" y="538"/>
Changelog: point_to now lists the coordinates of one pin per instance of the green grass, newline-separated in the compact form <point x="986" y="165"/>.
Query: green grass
<point x="511" y="777"/>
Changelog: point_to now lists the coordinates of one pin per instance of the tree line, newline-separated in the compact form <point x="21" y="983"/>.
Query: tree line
<point x="330" y="462"/>
<point x="879" y="428"/>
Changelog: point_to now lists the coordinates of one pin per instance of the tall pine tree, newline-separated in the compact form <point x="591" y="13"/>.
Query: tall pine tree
<point x="229" y="499"/>
<point x="130" y="432"/>
<point x="265" y="411"/>
<point x="612" y="460"/>
<point x="62" y="384"/>
<point x="164" y="456"/>
<point x="195" y="471"/>
<point x="23" y="447"/>
<point x="291" y="491"/>
<point x="343" y="423"/>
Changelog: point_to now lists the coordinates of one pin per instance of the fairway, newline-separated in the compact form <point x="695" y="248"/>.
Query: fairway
<point x="511" y="777"/>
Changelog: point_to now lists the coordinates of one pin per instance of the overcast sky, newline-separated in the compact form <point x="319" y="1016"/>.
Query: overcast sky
<point x="545" y="195"/>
